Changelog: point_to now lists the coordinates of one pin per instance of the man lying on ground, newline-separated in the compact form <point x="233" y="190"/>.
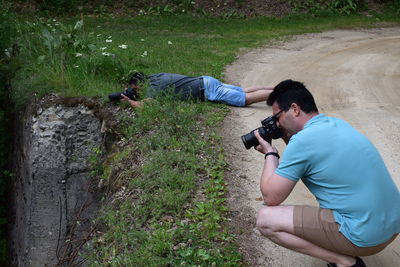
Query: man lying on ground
<point x="186" y="87"/>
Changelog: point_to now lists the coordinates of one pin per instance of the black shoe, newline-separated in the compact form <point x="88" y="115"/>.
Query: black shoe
<point x="359" y="263"/>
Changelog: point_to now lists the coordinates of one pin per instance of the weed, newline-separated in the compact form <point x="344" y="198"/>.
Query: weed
<point x="94" y="161"/>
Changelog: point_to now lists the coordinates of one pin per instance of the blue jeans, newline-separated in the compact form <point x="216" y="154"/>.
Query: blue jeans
<point x="216" y="91"/>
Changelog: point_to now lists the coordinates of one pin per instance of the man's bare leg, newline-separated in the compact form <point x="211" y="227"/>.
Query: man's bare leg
<point x="276" y="223"/>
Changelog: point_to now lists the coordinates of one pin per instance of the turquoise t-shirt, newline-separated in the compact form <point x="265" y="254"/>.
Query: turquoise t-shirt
<point x="347" y="175"/>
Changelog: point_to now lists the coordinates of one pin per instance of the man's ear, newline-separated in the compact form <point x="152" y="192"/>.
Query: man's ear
<point x="296" y="109"/>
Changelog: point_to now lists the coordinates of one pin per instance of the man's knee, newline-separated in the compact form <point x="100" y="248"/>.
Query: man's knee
<point x="263" y="223"/>
<point x="276" y="218"/>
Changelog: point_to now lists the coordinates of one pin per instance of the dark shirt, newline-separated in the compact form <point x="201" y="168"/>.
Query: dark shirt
<point x="185" y="87"/>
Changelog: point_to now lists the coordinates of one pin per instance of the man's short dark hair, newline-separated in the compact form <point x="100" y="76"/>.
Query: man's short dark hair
<point x="137" y="77"/>
<point x="288" y="92"/>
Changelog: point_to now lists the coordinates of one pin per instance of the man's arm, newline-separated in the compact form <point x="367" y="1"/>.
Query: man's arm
<point x="274" y="188"/>
<point x="255" y="94"/>
<point x="257" y="88"/>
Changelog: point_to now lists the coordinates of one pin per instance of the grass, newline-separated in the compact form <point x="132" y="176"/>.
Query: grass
<point x="172" y="196"/>
<point x="168" y="181"/>
<point x="84" y="63"/>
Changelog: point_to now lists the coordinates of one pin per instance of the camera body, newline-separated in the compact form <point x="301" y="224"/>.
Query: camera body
<point x="129" y="92"/>
<point x="268" y="131"/>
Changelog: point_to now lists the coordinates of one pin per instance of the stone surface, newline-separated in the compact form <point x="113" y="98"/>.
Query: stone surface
<point x="53" y="191"/>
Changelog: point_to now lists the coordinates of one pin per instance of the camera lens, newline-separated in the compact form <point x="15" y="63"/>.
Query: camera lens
<point x="249" y="140"/>
<point x="269" y="131"/>
<point x="115" y="96"/>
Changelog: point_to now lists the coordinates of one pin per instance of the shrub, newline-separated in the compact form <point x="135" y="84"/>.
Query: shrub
<point x="322" y="7"/>
<point x="7" y="34"/>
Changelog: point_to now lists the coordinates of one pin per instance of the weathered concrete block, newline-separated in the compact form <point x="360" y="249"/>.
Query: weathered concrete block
<point x="53" y="194"/>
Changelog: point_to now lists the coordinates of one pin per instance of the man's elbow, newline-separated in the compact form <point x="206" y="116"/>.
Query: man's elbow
<point x="270" y="200"/>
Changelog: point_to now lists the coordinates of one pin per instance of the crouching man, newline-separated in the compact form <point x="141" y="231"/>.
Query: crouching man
<point x="359" y="203"/>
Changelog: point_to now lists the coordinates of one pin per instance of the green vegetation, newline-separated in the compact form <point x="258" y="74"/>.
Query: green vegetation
<point x="227" y="9"/>
<point x="7" y="33"/>
<point x="168" y="180"/>
<point x="173" y="217"/>
<point x="320" y="7"/>
<point x="92" y="57"/>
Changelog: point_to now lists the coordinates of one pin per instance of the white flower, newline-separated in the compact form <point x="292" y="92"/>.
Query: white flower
<point x="142" y="40"/>
<point x="123" y="46"/>
<point x="76" y="66"/>
<point x="169" y="42"/>
<point x="103" y="48"/>
<point x="108" y="41"/>
<point x="144" y="54"/>
<point x="106" y="54"/>
<point x="78" y="54"/>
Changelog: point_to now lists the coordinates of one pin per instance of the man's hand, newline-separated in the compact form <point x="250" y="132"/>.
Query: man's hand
<point x="134" y="104"/>
<point x="125" y="98"/>
<point x="263" y="147"/>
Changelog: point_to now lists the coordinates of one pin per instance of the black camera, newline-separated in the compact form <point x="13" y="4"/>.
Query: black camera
<point x="268" y="131"/>
<point x="129" y="92"/>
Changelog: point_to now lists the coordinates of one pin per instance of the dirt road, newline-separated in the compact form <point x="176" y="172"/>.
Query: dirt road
<point x="353" y="75"/>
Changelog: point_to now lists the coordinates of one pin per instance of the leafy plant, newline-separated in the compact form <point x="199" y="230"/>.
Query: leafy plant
<point x="64" y="40"/>
<point x="320" y="7"/>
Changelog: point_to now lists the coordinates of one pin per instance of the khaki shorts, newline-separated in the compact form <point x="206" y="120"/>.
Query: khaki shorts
<point x="319" y="227"/>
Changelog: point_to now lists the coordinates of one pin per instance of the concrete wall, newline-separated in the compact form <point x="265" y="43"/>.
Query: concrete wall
<point x="54" y="196"/>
